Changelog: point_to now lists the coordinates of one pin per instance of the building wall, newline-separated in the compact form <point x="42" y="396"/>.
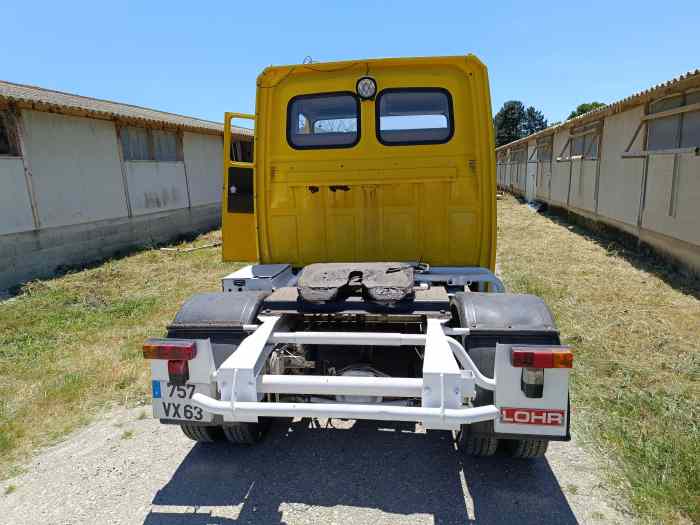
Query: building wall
<point x="653" y="195"/>
<point x="75" y="168"/>
<point x="204" y="163"/>
<point x="90" y="203"/>
<point x="40" y="253"/>
<point x="156" y="186"/>
<point x="560" y="171"/>
<point x="620" y="183"/>
<point x="15" y="210"/>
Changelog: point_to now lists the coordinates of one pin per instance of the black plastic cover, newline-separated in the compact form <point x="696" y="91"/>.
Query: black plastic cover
<point x="219" y="309"/>
<point x="503" y="312"/>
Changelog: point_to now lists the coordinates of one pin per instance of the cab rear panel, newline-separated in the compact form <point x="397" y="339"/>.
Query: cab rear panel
<point x="389" y="194"/>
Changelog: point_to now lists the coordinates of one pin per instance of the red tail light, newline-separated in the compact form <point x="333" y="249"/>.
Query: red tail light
<point x="554" y="357"/>
<point x="178" y="372"/>
<point x="171" y="349"/>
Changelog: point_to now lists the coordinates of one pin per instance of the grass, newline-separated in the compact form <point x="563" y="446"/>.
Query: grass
<point x="10" y="489"/>
<point x="71" y="346"/>
<point x="127" y="434"/>
<point x="634" y="324"/>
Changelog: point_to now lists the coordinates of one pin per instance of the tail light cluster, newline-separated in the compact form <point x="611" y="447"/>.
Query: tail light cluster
<point x="540" y="357"/>
<point x="533" y="361"/>
<point x="177" y="352"/>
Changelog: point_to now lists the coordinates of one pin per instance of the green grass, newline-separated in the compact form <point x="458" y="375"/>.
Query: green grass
<point x="71" y="346"/>
<point x="634" y="325"/>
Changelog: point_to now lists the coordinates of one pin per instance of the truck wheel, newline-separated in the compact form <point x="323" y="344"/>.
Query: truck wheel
<point x="477" y="439"/>
<point x="202" y="434"/>
<point x="246" y="433"/>
<point x="526" y="448"/>
<point x="476" y="445"/>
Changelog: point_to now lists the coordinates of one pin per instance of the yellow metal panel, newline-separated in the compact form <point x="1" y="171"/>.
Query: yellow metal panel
<point x="434" y="203"/>
<point x="238" y="230"/>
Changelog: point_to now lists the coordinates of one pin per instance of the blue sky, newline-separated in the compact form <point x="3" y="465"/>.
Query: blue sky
<point x="202" y="58"/>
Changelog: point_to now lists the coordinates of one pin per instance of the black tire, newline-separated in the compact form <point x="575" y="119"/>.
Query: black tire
<point x="246" y="433"/>
<point x="526" y="448"/>
<point x="477" y="445"/>
<point x="202" y="434"/>
<point x="477" y="439"/>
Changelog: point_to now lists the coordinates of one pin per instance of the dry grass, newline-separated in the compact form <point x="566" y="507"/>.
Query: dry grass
<point x="634" y="324"/>
<point x="72" y="345"/>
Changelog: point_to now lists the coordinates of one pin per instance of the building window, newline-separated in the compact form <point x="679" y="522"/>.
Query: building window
<point x="242" y="150"/>
<point x="584" y="141"/>
<point x="414" y="116"/>
<point x="150" y="144"/>
<point x="681" y="130"/>
<point x="544" y="149"/>
<point x="9" y="145"/>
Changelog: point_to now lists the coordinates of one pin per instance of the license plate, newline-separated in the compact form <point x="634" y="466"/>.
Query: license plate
<point x="173" y="401"/>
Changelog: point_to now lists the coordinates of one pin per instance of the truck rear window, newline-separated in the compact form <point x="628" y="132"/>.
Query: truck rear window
<point x="330" y="120"/>
<point x="414" y="116"/>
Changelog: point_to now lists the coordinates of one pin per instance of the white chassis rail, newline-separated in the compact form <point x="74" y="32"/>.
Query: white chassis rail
<point x="442" y="389"/>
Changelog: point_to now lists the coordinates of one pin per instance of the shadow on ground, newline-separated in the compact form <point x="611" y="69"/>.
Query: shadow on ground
<point x="618" y="243"/>
<point x="370" y="465"/>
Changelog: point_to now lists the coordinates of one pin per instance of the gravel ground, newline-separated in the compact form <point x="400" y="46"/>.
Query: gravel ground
<point x="127" y="469"/>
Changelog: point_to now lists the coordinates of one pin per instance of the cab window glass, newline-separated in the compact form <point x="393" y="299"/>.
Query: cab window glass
<point x="323" y="121"/>
<point x="414" y="116"/>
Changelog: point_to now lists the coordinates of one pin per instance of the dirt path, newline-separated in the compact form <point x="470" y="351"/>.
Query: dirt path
<point x="127" y="470"/>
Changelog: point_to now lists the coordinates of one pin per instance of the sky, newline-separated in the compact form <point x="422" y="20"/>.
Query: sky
<point x="202" y="58"/>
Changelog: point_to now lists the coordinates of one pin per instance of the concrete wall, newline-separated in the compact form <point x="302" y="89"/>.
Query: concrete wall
<point x="15" y="209"/>
<point x="75" y="168"/>
<point x="40" y="253"/>
<point x="620" y="183"/>
<point x="653" y="196"/>
<point x="156" y="186"/>
<point x="90" y="204"/>
<point x="204" y="163"/>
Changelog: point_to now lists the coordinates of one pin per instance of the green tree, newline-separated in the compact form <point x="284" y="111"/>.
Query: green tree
<point x="534" y="121"/>
<point x="584" y="108"/>
<point x="514" y="122"/>
<point x="508" y="122"/>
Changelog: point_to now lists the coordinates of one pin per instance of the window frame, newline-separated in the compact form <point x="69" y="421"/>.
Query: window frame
<point x="679" y="113"/>
<point x="450" y="116"/>
<point x="150" y="143"/>
<point x="288" y="122"/>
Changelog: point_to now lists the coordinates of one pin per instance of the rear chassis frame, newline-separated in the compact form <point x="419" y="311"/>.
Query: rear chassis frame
<point x="446" y="389"/>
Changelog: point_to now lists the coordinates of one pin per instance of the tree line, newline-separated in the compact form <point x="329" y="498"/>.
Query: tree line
<point x="514" y="121"/>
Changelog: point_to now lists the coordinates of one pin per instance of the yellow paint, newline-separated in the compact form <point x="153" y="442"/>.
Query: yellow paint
<point x="238" y="235"/>
<point x="434" y="203"/>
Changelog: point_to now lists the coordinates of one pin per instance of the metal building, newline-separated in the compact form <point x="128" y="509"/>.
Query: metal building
<point x="82" y="178"/>
<point x="633" y="165"/>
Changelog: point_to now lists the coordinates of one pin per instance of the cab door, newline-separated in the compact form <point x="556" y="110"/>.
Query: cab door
<point x="238" y="203"/>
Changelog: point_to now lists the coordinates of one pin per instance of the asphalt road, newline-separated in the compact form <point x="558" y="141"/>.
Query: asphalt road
<point x="126" y="470"/>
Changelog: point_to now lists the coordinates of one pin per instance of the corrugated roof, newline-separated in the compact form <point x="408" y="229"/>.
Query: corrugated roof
<point x="60" y="102"/>
<point x="682" y="82"/>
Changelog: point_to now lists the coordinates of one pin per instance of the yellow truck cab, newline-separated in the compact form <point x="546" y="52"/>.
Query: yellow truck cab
<point x="367" y="209"/>
<point x="367" y="160"/>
